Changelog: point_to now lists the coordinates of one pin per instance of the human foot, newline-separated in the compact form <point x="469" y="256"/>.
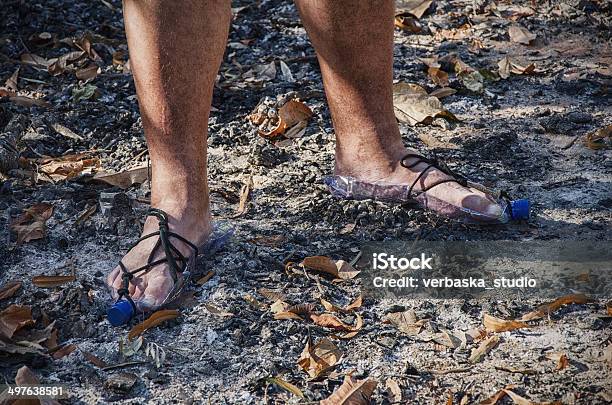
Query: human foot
<point x="387" y="169"/>
<point x="150" y="288"/>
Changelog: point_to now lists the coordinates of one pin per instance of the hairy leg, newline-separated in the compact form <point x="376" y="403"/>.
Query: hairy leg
<point x="354" y="44"/>
<point x="176" y="48"/>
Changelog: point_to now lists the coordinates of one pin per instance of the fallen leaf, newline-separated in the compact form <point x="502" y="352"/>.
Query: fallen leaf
<point x="125" y="179"/>
<point x="337" y="269"/>
<point x="508" y="66"/>
<point x="31" y="225"/>
<point x="286" y="386"/>
<point x="318" y="359"/>
<point x="245" y="191"/>
<point x="520" y="35"/>
<point x="485" y="347"/>
<point x="204" y="279"/>
<point x="67" y="167"/>
<point x="287" y="315"/>
<point x="600" y="139"/>
<point x="26" y="377"/>
<point x="11" y="83"/>
<point x="84" y="43"/>
<point x="270" y="241"/>
<point x="355" y="304"/>
<point x="405" y="321"/>
<point x="447" y="339"/>
<point x="64" y="351"/>
<point x="492" y="400"/>
<point x="217" y="311"/>
<point x="348" y="228"/>
<point x="9" y="289"/>
<point x="413" y="105"/>
<point x="560" y="358"/>
<point x="93" y="359"/>
<point x="438" y="76"/>
<point x="443" y="92"/>
<point x="416" y="8"/>
<point x="28" y="101"/>
<point x="408" y="23"/>
<point x="519" y="400"/>
<point x="547" y="309"/>
<point x="34" y="60"/>
<point x="493" y="324"/>
<point x="59" y="65"/>
<point x="87" y="73"/>
<point x="332" y="322"/>
<point x="608" y="307"/>
<point x="352" y="392"/>
<point x="254" y="303"/>
<point x="394" y="390"/>
<point x="272" y="295"/>
<point x="265" y="72"/>
<point x="155" y="319"/>
<point x="301" y="309"/>
<point x="14" y="318"/>
<point x="52" y="281"/>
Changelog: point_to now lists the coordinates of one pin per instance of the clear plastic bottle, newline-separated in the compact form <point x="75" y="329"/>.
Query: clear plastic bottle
<point x="122" y="311"/>
<point x="354" y="189"/>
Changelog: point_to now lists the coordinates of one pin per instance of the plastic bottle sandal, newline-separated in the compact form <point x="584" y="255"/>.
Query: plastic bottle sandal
<point x="351" y="188"/>
<point x="125" y="307"/>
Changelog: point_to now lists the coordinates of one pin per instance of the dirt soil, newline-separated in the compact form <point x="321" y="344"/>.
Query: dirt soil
<point x="525" y="134"/>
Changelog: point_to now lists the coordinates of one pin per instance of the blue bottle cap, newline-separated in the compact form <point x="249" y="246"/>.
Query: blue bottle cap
<point x="120" y="313"/>
<point x="520" y="209"/>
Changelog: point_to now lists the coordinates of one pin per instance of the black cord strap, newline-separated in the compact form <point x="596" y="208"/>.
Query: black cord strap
<point x="175" y="259"/>
<point x="431" y="162"/>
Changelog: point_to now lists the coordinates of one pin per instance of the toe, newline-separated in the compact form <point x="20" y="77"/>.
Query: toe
<point x="157" y="289"/>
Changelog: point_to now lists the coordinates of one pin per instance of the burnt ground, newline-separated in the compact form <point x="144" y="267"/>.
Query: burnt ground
<point x="515" y="135"/>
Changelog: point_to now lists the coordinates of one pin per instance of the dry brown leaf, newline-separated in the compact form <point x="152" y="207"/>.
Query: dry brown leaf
<point x="252" y="301"/>
<point x="286" y="386"/>
<point x="520" y="35"/>
<point x="560" y="358"/>
<point x="64" y="63"/>
<point x="301" y="309"/>
<point x="34" y="60"/>
<point x="416" y="8"/>
<point x="485" y="347"/>
<point x="272" y="295"/>
<point x="31" y="224"/>
<point x="287" y="315"/>
<point x="493" y="324"/>
<point x="508" y="66"/>
<point x="408" y="23"/>
<point x="25" y="376"/>
<point x="270" y="241"/>
<point x="10" y="86"/>
<point x="413" y="105"/>
<point x="69" y="166"/>
<point x="155" y="319"/>
<point x="204" y="279"/>
<point x="217" y="311"/>
<point x="9" y="289"/>
<point x="355" y="304"/>
<point x="125" y="179"/>
<point x="322" y="264"/>
<point x="600" y="139"/>
<point x="93" y="359"/>
<point x="405" y="321"/>
<point x="64" y="351"/>
<point x="609" y="308"/>
<point x="519" y="400"/>
<point x="88" y="73"/>
<point x="319" y="358"/>
<point x="394" y="390"/>
<point x="352" y="392"/>
<point x="52" y="281"/>
<point x="443" y="92"/>
<point x="492" y="400"/>
<point x="25" y="101"/>
<point x="332" y="322"/>
<point x="438" y="76"/>
<point x="14" y="318"/>
<point x="245" y="191"/>
<point x="546" y="309"/>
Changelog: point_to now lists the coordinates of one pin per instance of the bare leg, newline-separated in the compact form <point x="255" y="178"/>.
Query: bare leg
<point x="176" y="48"/>
<point x="354" y="44"/>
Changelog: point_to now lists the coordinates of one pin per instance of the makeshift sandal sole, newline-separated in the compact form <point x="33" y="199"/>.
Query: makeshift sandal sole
<point x="345" y="187"/>
<point x="125" y="307"/>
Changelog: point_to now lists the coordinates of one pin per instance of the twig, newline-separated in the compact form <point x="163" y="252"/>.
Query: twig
<point x="128" y="364"/>
<point x="452" y="370"/>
